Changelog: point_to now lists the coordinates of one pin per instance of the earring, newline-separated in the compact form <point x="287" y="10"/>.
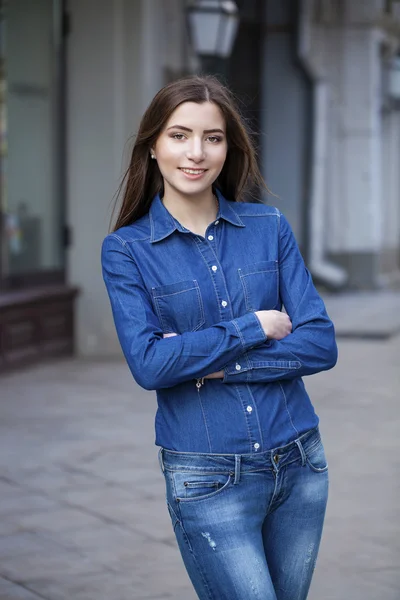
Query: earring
<point x="152" y="155"/>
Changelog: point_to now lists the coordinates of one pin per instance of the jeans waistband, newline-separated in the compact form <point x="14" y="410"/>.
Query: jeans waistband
<point x="273" y="458"/>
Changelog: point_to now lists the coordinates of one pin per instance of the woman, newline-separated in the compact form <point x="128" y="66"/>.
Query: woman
<point x="197" y="279"/>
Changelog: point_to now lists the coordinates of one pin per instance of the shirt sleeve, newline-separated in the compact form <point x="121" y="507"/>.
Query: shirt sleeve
<point x="311" y="347"/>
<point x="157" y="362"/>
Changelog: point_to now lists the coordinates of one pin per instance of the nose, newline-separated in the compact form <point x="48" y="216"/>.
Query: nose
<point x="195" y="152"/>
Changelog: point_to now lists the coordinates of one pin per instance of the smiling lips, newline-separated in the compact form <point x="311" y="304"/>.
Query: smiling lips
<point x="193" y="172"/>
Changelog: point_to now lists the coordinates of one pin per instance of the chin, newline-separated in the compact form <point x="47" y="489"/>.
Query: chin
<point x="192" y="190"/>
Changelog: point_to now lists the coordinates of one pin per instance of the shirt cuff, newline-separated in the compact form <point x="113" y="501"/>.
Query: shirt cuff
<point x="250" y="330"/>
<point x="238" y="370"/>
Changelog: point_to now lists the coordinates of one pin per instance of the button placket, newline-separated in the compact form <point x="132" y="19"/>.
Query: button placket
<point x="210" y="257"/>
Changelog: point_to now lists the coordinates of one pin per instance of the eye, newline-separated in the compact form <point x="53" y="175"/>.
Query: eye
<point x="178" y="136"/>
<point x="214" y="139"/>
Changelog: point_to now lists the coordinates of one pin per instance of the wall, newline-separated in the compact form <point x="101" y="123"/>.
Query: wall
<point x="117" y="59"/>
<point x="364" y="186"/>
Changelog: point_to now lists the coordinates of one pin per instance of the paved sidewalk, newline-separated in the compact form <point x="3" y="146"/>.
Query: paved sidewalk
<point x="365" y="315"/>
<point x="82" y="513"/>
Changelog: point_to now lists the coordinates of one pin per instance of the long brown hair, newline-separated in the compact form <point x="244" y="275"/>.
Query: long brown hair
<point x="143" y="180"/>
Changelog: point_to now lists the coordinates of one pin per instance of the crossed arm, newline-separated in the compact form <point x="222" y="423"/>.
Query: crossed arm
<point x="157" y="361"/>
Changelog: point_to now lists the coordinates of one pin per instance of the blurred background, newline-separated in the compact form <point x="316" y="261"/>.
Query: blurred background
<point x="318" y="82"/>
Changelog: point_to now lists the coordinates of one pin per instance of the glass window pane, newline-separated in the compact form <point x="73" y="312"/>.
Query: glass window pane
<point x="31" y="204"/>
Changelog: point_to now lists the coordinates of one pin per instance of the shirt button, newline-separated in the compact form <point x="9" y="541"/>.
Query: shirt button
<point x="216" y="222"/>
<point x="256" y="445"/>
<point x="249" y="409"/>
<point x="224" y="303"/>
<point x="210" y="237"/>
<point x="238" y="367"/>
<point x="214" y="268"/>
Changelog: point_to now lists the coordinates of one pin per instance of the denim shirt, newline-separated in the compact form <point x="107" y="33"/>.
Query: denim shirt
<point x="162" y="278"/>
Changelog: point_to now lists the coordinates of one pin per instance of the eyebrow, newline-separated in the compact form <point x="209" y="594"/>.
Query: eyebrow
<point x="191" y="130"/>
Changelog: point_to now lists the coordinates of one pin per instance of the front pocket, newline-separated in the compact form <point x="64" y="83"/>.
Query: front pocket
<point x="316" y="459"/>
<point x="191" y="486"/>
<point x="179" y="306"/>
<point x="260" y="283"/>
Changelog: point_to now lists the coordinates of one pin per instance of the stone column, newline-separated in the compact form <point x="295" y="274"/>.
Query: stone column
<point x="357" y="237"/>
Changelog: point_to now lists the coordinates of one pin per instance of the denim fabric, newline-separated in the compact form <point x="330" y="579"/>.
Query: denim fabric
<point x="162" y="278"/>
<point x="249" y="526"/>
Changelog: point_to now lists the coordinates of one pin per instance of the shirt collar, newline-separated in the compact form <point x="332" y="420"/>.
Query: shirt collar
<point x="162" y="223"/>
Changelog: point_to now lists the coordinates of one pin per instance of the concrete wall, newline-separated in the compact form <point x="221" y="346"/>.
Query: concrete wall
<point x="114" y="68"/>
<point x="362" y="186"/>
<point x="120" y="52"/>
<point x="364" y="190"/>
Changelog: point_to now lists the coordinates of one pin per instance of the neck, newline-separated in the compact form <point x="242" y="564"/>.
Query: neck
<point x="193" y="212"/>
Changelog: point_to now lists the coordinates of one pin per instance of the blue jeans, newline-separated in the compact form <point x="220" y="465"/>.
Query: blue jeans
<point x="249" y="526"/>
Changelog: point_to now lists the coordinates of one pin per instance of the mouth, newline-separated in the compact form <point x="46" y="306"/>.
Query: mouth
<point x="193" y="173"/>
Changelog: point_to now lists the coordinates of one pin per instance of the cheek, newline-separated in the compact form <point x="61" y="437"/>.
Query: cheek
<point x="167" y="152"/>
<point x="220" y="156"/>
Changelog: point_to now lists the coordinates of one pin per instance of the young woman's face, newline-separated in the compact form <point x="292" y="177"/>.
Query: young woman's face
<point x="191" y="149"/>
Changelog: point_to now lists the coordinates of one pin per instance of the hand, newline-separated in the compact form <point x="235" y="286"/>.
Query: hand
<point x="275" y="324"/>
<point x="216" y="375"/>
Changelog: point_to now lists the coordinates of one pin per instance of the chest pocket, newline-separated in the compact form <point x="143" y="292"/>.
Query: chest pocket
<point x="179" y="306"/>
<point x="260" y="282"/>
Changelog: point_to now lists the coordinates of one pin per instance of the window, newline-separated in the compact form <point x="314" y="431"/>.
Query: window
<point x="31" y="197"/>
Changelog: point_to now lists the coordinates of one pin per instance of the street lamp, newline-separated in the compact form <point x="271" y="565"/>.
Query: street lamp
<point x="213" y="26"/>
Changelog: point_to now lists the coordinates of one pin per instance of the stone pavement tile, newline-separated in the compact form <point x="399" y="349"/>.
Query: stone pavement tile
<point x="7" y="527"/>
<point x="108" y="544"/>
<point x="25" y="543"/>
<point x="8" y="488"/>
<point x="116" y="547"/>
<point x="14" y="591"/>
<point x="22" y="502"/>
<point x="107" y="459"/>
<point x="49" y="565"/>
<point x="95" y="497"/>
<point x="50" y="478"/>
<point x="348" y="546"/>
<point x="336" y="582"/>
<point x="58" y="520"/>
<point x="150" y="517"/>
<point x="95" y="586"/>
<point x="125" y="551"/>
<point x="122" y="506"/>
<point x="365" y="315"/>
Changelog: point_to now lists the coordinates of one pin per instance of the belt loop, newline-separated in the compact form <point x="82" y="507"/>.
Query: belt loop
<point x="160" y="459"/>
<point x="301" y="450"/>
<point x="238" y="459"/>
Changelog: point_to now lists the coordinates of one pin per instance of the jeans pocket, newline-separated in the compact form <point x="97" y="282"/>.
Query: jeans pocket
<point x="191" y="486"/>
<point x="316" y="458"/>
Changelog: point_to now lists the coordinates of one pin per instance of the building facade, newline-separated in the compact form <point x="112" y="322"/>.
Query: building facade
<point x="314" y="78"/>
